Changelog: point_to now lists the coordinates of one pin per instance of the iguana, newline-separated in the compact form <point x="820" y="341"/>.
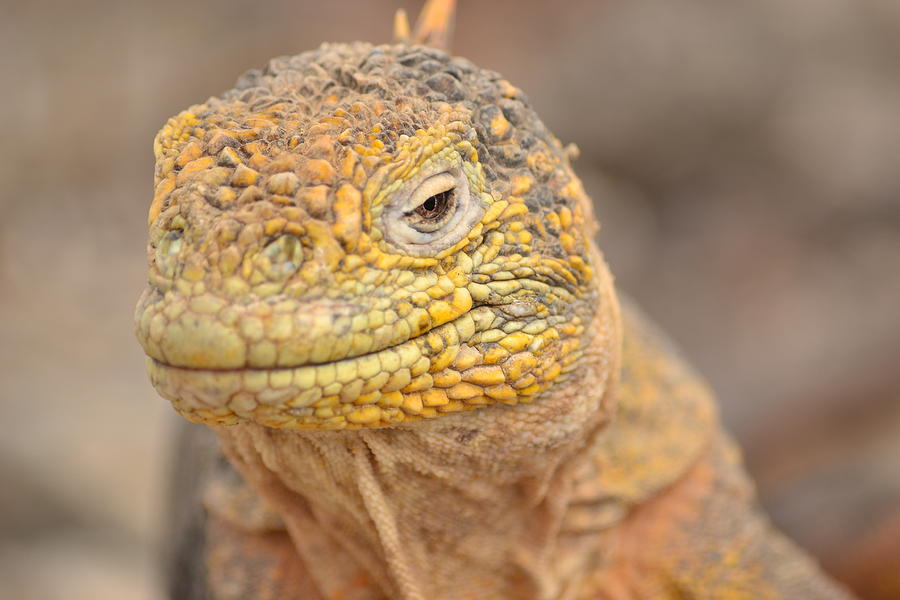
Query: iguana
<point x="372" y="272"/>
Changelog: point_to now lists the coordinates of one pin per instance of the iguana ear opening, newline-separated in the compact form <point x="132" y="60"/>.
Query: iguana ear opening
<point x="433" y="28"/>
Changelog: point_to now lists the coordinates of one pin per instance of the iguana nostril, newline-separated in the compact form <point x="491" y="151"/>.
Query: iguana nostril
<point x="280" y="258"/>
<point x="168" y="250"/>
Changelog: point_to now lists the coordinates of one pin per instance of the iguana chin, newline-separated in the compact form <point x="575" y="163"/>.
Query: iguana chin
<point x="372" y="272"/>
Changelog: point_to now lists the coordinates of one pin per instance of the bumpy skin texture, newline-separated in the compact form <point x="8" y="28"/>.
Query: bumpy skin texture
<point x="448" y="418"/>
<point x="269" y="252"/>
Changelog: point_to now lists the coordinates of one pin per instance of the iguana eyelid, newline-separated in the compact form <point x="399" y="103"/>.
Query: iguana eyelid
<point x="442" y="182"/>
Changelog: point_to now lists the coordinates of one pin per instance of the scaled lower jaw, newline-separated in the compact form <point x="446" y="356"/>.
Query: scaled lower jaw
<point x="378" y="388"/>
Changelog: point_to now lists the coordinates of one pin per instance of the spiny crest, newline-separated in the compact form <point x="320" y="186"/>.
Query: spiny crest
<point x="434" y="27"/>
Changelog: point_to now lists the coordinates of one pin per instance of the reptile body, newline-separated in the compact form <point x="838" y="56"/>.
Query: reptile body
<point x="372" y="272"/>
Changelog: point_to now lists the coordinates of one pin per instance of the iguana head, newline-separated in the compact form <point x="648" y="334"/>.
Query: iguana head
<point x="360" y="236"/>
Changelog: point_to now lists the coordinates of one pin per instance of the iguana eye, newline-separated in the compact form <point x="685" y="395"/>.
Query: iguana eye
<point x="436" y="208"/>
<point x="436" y="214"/>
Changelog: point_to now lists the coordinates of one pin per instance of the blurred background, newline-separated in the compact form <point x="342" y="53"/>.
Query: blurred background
<point x="744" y="158"/>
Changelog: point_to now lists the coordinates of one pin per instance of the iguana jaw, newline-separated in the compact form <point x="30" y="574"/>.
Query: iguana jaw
<point x="380" y="387"/>
<point x="436" y="373"/>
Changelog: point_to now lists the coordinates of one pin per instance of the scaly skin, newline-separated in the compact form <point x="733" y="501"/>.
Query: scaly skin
<point x="475" y="375"/>
<point x="268" y="256"/>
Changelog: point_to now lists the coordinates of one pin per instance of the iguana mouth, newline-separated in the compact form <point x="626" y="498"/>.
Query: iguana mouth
<point x="416" y="378"/>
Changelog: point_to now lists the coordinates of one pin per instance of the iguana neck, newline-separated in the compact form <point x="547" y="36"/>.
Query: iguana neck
<point x="466" y="506"/>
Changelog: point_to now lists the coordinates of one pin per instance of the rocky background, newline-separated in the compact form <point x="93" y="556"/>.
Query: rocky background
<point x="745" y="162"/>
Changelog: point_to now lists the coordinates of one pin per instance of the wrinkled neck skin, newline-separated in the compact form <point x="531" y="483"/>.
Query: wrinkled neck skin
<point x="470" y="505"/>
